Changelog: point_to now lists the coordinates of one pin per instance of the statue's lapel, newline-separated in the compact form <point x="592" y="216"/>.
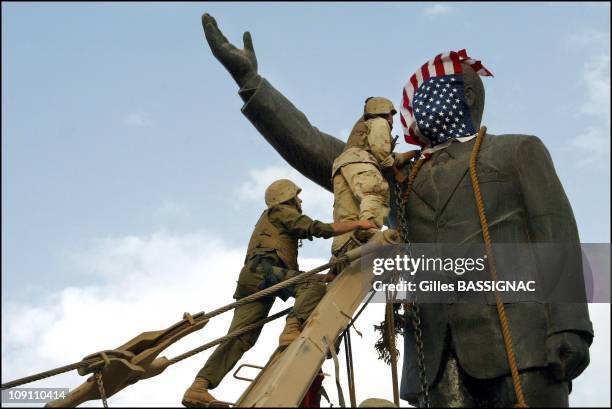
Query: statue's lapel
<point x="423" y="187"/>
<point x="449" y="167"/>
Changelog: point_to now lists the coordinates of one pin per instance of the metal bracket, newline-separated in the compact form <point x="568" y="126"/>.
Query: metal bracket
<point x="247" y="366"/>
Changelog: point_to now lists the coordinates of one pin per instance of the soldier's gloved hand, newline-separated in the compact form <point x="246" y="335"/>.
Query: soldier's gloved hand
<point x="241" y="64"/>
<point x="567" y="355"/>
<point x="401" y="159"/>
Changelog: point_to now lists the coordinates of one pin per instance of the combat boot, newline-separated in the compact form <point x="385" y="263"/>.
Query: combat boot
<point x="197" y="396"/>
<point x="292" y="331"/>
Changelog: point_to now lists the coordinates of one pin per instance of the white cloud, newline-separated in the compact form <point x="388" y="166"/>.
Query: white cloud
<point x="437" y="9"/>
<point x="593" y="145"/>
<point x="149" y="282"/>
<point x="592" y="388"/>
<point x="138" y="119"/>
<point x="318" y="202"/>
<point x="595" y="77"/>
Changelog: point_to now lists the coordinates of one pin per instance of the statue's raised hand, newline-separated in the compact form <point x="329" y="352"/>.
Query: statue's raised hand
<point x="241" y="64"/>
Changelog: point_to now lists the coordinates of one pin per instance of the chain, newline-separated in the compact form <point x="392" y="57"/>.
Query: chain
<point x="98" y="376"/>
<point x="414" y="306"/>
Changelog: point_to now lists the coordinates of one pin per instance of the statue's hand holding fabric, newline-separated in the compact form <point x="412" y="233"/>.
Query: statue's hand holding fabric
<point x="241" y="63"/>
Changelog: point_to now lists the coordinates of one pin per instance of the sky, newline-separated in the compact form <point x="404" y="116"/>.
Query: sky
<point x="131" y="181"/>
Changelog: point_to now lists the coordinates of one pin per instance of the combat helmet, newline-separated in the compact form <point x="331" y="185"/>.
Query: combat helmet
<point x="280" y="191"/>
<point x="378" y="106"/>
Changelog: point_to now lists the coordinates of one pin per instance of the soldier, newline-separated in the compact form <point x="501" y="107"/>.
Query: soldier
<point x="271" y="258"/>
<point x="360" y="190"/>
<point x="463" y="348"/>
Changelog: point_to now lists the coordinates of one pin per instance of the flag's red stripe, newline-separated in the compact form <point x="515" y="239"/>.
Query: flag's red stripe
<point x="425" y="72"/>
<point x="413" y="81"/>
<point x="456" y="64"/>
<point x="406" y="102"/>
<point x="439" y="65"/>
<point x="477" y="66"/>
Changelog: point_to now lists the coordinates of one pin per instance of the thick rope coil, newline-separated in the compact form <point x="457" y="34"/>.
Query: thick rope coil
<point x="501" y="310"/>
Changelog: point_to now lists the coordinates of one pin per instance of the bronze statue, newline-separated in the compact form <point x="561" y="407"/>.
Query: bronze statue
<point x="463" y="347"/>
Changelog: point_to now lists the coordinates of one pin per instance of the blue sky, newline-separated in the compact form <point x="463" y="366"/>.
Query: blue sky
<point x="123" y="144"/>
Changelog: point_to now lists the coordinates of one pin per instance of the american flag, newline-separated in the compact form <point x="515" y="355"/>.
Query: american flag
<point x="434" y="107"/>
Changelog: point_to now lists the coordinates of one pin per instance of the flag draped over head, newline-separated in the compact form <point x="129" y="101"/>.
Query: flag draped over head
<point x="434" y="107"/>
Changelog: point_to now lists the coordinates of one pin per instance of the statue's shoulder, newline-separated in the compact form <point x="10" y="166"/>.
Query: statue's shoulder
<point x="510" y="142"/>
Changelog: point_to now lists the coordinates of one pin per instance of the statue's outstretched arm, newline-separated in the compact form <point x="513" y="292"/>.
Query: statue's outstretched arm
<point x="285" y="127"/>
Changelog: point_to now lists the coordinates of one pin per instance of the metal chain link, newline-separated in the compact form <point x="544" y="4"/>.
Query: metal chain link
<point x="98" y="376"/>
<point x="415" y="310"/>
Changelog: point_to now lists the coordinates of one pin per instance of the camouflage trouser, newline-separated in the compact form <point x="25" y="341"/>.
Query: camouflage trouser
<point x="360" y="193"/>
<point x="255" y="275"/>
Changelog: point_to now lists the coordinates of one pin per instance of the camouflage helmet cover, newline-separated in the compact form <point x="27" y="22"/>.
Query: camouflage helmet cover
<point x="378" y="106"/>
<point x="280" y="191"/>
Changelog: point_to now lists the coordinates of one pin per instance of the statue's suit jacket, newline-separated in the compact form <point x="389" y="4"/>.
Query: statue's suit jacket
<point x="524" y="202"/>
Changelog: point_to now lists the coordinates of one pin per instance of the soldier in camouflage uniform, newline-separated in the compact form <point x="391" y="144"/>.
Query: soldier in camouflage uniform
<point x="271" y="258"/>
<point x="360" y="190"/>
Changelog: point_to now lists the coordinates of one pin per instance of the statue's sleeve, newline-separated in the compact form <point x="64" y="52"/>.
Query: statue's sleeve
<point x="286" y="128"/>
<point x="551" y="220"/>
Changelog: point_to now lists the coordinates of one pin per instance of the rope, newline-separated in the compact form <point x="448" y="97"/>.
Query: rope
<point x="349" y="367"/>
<point x="268" y="291"/>
<point x="197" y="318"/>
<point x="392" y="351"/>
<point x="501" y="311"/>
<point x="412" y="176"/>
<point x="233" y="334"/>
<point x="48" y="374"/>
<point x="332" y="351"/>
